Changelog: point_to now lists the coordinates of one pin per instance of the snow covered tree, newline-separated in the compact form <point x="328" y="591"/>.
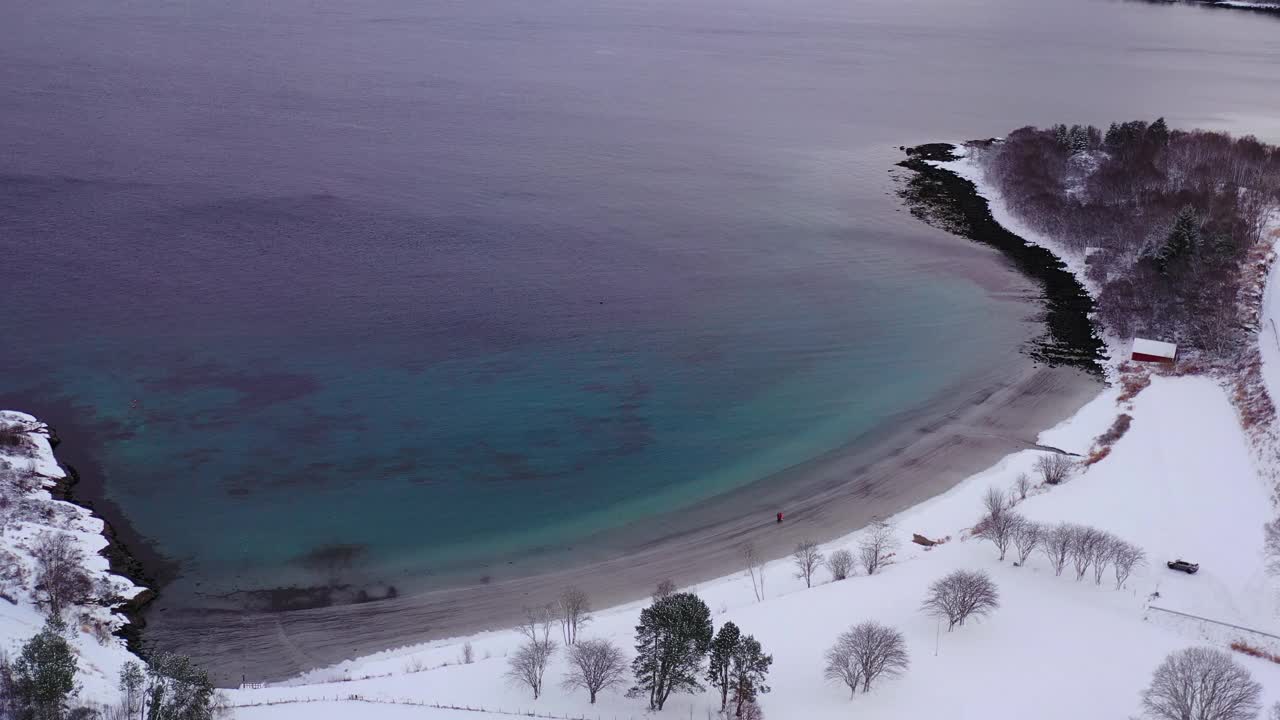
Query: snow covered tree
<point x="44" y="675"/>
<point x="877" y="545"/>
<point x="132" y="681"/>
<point x="593" y="666"/>
<point x="178" y="689"/>
<point x="840" y="563"/>
<point x="864" y="653"/>
<point x="672" y="638"/>
<point x="961" y="595"/>
<point x="720" y="659"/>
<point x="574" y="611"/>
<point x="1201" y="683"/>
<point x="807" y="558"/>
<point x="747" y="678"/>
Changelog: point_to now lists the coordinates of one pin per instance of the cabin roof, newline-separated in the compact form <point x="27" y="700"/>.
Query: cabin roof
<point x="1154" y="347"/>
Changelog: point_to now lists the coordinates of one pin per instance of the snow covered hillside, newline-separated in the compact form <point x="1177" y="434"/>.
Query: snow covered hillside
<point x="28" y="515"/>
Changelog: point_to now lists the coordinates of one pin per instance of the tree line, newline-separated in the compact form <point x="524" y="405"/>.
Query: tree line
<point x="1164" y="217"/>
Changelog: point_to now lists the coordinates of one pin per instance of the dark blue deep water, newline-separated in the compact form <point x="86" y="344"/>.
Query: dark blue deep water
<point x="445" y="282"/>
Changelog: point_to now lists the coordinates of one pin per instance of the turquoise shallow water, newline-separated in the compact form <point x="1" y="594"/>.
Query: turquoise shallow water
<point x="245" y="461"/>
<point x="400" y="290"/>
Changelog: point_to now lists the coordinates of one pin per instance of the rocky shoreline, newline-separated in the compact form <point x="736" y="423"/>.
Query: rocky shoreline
<point x="951" y="203"/>
<point x="120" y="559"/>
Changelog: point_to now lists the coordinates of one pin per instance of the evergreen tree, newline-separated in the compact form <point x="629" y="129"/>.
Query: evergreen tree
<point x="1077" y="140"/>
<point x="131" y="681"/>
<point x="44" y="676"/>
<point x="1061" y="136"/>
<point x="1183" y="240"/>
<point x="1158" y="133"/>
<point x="673" y="636"/>
<point x="177" y="689"/>
<point x="721" y="660"/>
<point x="750" y="667"/>
<point x="1113" y="138"/>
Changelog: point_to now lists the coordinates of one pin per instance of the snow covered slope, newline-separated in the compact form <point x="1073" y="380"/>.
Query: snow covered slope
<point x="28" y="511"/>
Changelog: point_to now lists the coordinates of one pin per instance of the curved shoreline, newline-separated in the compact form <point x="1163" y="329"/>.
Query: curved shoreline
<point x="922" y="457"/>
<point x="120" y="558"/>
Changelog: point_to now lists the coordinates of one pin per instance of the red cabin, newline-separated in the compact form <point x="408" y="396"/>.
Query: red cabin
<point x="1154" y="351"/>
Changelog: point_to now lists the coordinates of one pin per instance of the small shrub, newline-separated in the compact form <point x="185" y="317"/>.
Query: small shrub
<point x="1242" y="647"/>
<point x="1096" y="456"/>
<point x="1116" y="431"/>
<point x="1132" y="384"/>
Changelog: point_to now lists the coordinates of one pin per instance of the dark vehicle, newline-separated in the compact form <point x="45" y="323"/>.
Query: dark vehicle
<point x="1184" y="566"/>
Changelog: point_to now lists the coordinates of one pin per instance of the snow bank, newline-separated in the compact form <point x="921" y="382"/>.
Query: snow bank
<point x="34" y="512"/>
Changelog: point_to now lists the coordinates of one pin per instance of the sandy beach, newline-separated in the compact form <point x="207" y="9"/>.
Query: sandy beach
<point x="842" y="492"/>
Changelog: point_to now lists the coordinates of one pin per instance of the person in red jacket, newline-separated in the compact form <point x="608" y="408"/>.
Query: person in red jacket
<point x="779" y="517"/>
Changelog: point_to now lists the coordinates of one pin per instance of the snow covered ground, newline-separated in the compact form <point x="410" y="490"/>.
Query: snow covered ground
<point x="30" y="513"/>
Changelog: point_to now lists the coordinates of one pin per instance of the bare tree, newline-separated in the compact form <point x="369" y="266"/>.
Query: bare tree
<point x="840" y="563"/>
<point x="1054" y="468"/>
<point x="593" y="666"/>
<point x="1056" y="545"/>
<point x="755" y="568"/>
<point x="1026" y="538"/>
<point x="60" y="574"/>
<point x="1022" y="485"/>
<point x="1201" y="683"/>
<point x="877" y="545"/>
<point x="1085" y="542"/>
<point x="529" y="663"/>
<point x="1127" y="556"/>
<point x="808" y="558"/>
<point x="468" y="653"/>
<point x="864" y="653"/>
<point x="961" y="595"/>
<point x="665" y="588"/>
<point x="1104" y="552"/>
<point x="575" y="612"/>
<point x="537" y="624"/>
<point x="995" y="502"/>
<point x="999" y="529"/>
